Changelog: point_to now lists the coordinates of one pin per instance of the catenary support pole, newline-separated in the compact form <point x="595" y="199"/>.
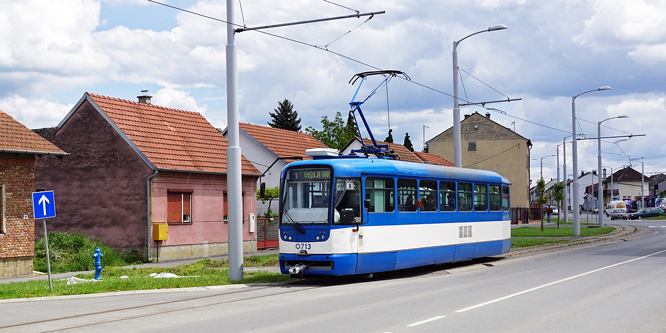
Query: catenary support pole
<point x="234" y="190"/>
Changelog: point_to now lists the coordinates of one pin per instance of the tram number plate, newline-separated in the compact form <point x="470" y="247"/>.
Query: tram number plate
<point x="303" y="246"/>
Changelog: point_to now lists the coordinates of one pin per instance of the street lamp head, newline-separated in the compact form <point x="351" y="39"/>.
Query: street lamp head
<point x="623" y="116"/>
<point x="499" y="27"/>
<point x="604" y="88"/>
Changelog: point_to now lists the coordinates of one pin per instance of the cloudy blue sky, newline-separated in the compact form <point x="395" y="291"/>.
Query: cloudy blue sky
<point x="52" y="52"/>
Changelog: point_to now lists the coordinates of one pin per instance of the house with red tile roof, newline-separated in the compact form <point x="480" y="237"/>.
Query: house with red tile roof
<point x="19" y="148"/>
<point x="135" y="165"/>
<point x="432" y="159"/>
<point x="403" y="153"/>
<point x="271" y="149"/>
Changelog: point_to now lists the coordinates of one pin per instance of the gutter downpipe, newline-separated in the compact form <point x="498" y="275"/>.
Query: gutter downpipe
<point x="148" y="216"/>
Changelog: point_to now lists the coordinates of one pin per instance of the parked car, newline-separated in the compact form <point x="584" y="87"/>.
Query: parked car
<point x="646" y="212"/>
<point x="616" y="210"/>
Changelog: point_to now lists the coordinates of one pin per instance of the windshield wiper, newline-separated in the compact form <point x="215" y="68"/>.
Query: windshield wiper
<point x="292" y="221"/>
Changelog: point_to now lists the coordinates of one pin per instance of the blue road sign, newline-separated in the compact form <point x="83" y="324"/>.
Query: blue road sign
<point x="43" y="204"/>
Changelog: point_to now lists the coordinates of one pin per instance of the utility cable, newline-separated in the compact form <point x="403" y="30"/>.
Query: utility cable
<point x="241" y="10"/>
<point x="356" y="61"/>
<point x="362" y="23"/>
<point x="591" y="122"/>
<point x="333" y="3"/>
<point x="462" y="82"/>
<point x="487" y="85"/>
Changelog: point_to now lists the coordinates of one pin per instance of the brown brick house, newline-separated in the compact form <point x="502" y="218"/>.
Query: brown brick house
<point x="18" y="148"/>
<point x="135" y="165"/>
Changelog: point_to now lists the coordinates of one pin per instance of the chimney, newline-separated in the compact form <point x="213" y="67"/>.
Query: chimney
<point x="144" y="98"/>
<point x="488" y="115"/>
<point x="467" y="116"/>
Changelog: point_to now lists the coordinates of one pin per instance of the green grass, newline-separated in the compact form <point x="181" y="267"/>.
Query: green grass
<point x="202" y="273"/>
<point x="527" y="242"/>
<point x="555" y="232"/>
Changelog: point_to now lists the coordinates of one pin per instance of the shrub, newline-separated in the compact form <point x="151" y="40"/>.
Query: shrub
<point x="73" y="253"/>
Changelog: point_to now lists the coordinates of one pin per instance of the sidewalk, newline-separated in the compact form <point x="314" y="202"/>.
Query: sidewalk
<point x="165" y="264"/>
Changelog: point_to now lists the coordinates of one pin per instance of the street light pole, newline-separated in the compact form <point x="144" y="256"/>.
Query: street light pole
<point x="542" y="164"/>
<point x="457" y="148"/>
<point x="600" y="197"/>
<point x="576" y="194"/>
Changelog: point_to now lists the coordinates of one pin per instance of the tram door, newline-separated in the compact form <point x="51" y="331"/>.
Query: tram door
<point x="348" y="209"/>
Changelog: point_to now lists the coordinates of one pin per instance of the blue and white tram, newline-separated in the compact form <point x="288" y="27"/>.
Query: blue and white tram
<point x="350" y="215"/>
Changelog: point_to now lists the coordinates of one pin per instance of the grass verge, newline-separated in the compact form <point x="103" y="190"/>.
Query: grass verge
<point x="199" y="274"/>
<point x="533" y="236"/>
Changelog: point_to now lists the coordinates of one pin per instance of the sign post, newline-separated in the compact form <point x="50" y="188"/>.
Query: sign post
<point x="43" y="207"/>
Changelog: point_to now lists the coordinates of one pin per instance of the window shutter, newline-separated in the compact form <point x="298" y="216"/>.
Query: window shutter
<point x="174" y="207"/>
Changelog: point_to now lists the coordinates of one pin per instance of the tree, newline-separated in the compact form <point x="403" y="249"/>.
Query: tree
<point x="285" y="117"/>
<point x="389" y="138"/>
<point x="558" y="196"/>
<point x="408" y="143"/>
<point x="335" y="134"/>
<point x="541" y="188"/>
<point x="351" y="126"/>
<point x="270" y="194"/>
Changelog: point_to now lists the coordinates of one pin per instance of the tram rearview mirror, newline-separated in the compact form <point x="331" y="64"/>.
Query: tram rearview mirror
<point x="262" y="190"/>
<point x="367" y="203"/>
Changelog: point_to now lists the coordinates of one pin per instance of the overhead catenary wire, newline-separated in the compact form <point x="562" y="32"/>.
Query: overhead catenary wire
<point x="241" y="10"/>
<point x="353" y="60"/>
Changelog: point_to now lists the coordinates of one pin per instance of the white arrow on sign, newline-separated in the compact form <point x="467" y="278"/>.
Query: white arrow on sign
<point x="43" y="201"/>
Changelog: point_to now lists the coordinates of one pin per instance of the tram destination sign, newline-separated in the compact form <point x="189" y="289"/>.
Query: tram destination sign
<point x="310" y="175"/>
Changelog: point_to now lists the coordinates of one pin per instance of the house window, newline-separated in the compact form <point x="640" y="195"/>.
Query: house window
<point x="179" y="206"/>
<point x="471" y="146"/>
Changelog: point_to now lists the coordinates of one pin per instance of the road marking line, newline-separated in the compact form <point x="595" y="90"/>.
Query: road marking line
<point x="555" y="282"/>
<point x="425" y="321"/>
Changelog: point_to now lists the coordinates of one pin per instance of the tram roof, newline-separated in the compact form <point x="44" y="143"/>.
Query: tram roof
<point x="357" y="166"/>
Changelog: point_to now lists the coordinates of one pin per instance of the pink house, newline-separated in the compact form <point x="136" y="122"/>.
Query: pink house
<point x="135" y="165"/>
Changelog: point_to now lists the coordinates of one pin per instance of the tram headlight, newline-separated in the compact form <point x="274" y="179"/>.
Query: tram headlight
<point x="284" y="236"/>
<point x="317" y="238"/>
<point x="289" y="237"/>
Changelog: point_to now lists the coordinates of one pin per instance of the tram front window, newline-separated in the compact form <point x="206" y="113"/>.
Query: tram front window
<point x="306" y="194"/>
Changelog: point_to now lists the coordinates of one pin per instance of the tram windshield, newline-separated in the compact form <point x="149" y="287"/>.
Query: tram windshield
<point x="306" y="196"/>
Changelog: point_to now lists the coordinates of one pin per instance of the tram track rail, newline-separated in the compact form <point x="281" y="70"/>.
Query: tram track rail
<point x="32" y="325"/>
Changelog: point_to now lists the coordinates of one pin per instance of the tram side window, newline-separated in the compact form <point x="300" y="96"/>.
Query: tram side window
<point x="505" y="198"/>
<point x="464" y="197"/>
<point x="407" y="194"/>
<point x="480" y="197"/>
<point x="381" y="193"/>
<point x="347" y="201"/>
<point x="495" y="198"/>
<point x="428" y="191"/>
<point x="447" y="196"/>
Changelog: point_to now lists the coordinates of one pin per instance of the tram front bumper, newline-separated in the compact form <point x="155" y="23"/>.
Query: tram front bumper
<point x="318" y="264"/>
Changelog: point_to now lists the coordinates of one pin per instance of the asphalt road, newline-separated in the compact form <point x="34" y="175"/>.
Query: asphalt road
<point x="612" y="288"/>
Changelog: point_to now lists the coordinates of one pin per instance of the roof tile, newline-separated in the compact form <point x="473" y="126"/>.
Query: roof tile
<point x="283" y="143"/>
<point x="433" y="159"/>
<point x="16" y="137"/>
<point x="171" y="139"/>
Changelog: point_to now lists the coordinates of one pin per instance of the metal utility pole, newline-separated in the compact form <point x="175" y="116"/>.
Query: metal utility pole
<point x="457" y="150"/>
<point x="576" y="194"/>
<point x="234" y="184"/>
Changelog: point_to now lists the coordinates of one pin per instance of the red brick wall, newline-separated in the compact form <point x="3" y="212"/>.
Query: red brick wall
<point x="17" y="174"/>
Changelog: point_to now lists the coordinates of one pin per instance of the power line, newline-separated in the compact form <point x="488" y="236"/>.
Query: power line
<point x="356" y="61"/>
<point x="487" y="85"/>
<point x="333" y="3"/>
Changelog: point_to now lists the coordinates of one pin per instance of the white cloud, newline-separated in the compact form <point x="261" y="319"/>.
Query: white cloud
<point x="635" y="24"/>
<point x="34" y="113"/>
<point x="177" y="99"/>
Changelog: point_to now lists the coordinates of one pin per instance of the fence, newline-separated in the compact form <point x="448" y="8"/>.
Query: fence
<point x="267" y="233"/>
